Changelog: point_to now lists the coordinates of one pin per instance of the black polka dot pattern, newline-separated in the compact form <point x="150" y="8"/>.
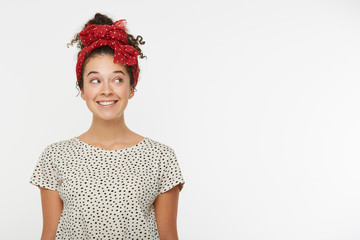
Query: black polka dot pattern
<point x="107" y="194"/>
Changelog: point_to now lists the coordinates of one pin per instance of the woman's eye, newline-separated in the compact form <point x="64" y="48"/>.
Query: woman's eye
<point x="94" y="80"/>
<point x="120" y="80"/>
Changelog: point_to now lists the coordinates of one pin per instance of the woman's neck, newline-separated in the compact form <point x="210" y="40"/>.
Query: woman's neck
<point x="108" y="131"/>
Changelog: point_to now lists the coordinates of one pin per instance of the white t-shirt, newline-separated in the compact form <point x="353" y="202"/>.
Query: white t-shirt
<point x="107" y="194"/>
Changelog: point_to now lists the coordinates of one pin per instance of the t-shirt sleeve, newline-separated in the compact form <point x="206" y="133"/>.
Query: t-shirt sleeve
<point x="171" y="174"/>
<point x="45" y="173"/>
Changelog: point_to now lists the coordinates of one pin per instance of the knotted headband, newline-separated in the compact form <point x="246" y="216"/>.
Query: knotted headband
<point x="115" y="36"/>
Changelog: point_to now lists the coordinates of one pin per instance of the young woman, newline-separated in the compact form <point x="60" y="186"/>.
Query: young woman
<point x="109" y="182"/>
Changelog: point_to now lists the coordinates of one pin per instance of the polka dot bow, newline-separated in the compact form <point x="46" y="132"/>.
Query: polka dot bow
<point x="94" y="36"/>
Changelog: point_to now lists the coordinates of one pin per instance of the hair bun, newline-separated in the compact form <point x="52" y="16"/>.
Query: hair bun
<point x="100" y="19"/>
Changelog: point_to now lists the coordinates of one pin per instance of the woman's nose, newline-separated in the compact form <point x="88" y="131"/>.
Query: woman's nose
<point x="106" y="88"/>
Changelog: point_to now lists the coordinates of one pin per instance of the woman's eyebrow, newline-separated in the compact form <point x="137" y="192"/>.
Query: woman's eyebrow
<point x="119" y="71"/>
<point x="91" y="73"/>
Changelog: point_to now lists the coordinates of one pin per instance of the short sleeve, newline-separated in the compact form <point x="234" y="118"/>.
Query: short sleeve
<point x="171" y="174"/>
<point x="45" y="173"/>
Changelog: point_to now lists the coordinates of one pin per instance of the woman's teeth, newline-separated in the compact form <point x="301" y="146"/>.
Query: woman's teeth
<point x="106" y="103"/>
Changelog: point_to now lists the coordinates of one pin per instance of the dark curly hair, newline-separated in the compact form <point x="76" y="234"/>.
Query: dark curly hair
<point x="102" y="19"/>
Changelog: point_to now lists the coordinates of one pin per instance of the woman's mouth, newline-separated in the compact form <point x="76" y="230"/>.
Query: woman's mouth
<point x="106" y="104"/>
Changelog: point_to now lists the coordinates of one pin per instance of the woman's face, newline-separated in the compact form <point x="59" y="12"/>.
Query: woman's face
<point x="104" y="82"/>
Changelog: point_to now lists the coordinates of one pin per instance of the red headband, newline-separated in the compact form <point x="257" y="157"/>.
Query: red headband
<point x="94" y="36"/>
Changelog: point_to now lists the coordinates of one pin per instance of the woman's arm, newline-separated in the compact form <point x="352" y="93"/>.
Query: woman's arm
<point x="52" y="207"/>
<point x="166" y="205"/>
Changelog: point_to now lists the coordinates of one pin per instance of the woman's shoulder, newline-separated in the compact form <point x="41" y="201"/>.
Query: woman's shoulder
<point x="159" y="145"/>
<point x="63" y="144"/>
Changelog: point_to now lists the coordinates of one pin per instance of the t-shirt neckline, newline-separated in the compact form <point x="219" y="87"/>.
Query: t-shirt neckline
<point x="112" y="150"/>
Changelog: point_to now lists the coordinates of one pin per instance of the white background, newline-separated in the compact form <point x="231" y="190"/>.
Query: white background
<point x="259" y="99"/>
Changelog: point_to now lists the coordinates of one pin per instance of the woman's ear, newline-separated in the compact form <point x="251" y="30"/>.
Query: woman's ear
<point x="131" y="94"/>
<point x="82" y="94"/>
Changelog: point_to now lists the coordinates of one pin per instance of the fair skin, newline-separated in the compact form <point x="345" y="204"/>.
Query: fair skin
<point x="106" y="80"/>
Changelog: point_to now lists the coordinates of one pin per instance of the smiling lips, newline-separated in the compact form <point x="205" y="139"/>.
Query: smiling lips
<point x="107" y="103"/>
